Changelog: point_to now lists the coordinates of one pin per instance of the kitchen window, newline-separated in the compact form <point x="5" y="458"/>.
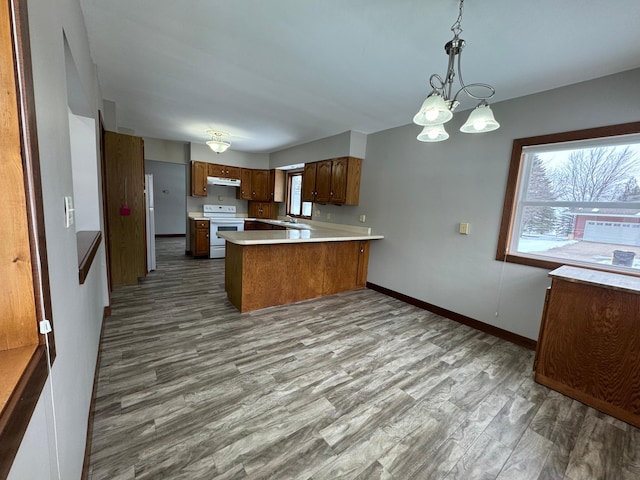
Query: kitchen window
<point x="295" y="206"/>
<point x="574" y="199"/>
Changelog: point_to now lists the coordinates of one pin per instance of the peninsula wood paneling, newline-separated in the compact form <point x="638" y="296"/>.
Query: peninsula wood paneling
<point x="260" y="276"/>
<point x="125" y="185"/>
<point x="589" y="347"/>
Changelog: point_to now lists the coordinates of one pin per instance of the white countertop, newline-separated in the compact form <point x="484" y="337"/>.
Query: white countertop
<point x="271" y="237"/>
<point x="298" y="233"/>
<point x="613" y="281"/>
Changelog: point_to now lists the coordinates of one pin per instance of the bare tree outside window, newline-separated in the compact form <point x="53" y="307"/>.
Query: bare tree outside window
<point x="575" y="202"/>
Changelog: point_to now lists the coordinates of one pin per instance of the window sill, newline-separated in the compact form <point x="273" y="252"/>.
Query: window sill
<point x="538" y="262"/>
<point x="88" y="243"/>
<point x="28" y="367"/>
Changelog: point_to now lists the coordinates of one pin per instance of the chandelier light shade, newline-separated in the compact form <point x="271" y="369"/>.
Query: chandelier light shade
<point x="441" y="102"/>
<point x="481" y="120"/>
<point x="217" y="144"/>
<point x="433" y="133"/>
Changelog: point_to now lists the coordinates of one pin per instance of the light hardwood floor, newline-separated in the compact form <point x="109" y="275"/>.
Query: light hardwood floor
<point x="353" y="386"/>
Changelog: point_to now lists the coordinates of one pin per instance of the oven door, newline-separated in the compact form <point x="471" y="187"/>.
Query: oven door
<point x="217" y="244"/>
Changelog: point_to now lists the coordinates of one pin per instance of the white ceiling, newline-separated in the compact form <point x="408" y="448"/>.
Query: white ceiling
<point x="279" y="73"/>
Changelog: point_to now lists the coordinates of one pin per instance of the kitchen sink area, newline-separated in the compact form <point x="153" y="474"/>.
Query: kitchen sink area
<point x="289" y="224"/>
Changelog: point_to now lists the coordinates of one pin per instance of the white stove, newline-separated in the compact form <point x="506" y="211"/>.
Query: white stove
<point x="222" y="218"/>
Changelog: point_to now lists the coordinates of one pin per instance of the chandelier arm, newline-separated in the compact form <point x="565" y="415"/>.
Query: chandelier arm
<point x="438" y="88"/>
<point x="465" y="88"/>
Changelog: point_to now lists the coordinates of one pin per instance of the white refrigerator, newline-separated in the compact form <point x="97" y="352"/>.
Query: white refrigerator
<point x="150" y="222"/>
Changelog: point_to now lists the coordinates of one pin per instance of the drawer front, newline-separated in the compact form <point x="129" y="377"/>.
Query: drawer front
<point x="202" y="224"/>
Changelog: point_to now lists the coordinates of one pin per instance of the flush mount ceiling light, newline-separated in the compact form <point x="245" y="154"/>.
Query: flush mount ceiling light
<point x="217" y="144"/>
<point x="438" y="108"/>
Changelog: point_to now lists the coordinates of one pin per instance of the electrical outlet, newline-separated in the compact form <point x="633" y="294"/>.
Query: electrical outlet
<point x="328" y="216"/>
<point x="363" y="218"/>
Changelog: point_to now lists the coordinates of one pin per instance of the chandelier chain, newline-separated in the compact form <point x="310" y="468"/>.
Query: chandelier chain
<point x="456" y="28"/>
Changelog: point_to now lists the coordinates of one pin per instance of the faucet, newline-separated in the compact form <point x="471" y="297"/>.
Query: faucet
<point x="291" y="219"/>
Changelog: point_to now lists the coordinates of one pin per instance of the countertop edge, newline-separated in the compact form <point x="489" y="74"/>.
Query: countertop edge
<point x="610" y="280"/>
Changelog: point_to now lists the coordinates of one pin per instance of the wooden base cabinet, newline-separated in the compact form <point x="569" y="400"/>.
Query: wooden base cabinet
<point x="589" y="342"/>
<point x="199" y="237"/>
<point x="257" y="277"/>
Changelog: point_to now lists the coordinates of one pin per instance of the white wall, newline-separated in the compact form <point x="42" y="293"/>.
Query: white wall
<point x="85" y="165"/>
<point x="169" y="196"/>
<point x="77" y="309"/>
<point x="416" y="193"/>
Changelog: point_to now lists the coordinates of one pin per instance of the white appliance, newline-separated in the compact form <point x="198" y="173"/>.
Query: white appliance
<point x="229" y="182"/>
<point x="222" y="218"/>
<point x="150" y="222"/>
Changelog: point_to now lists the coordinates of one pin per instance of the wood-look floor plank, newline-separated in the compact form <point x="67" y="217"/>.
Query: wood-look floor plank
<point x="354" y="386"/>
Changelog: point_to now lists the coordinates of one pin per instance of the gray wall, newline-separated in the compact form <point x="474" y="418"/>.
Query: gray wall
<point x="77" y="309"/>
<point x="169" y="195"/>
<point x="416" y="194"/>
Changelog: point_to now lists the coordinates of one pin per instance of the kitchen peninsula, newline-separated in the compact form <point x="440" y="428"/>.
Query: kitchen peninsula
<point x="264" y="268"/>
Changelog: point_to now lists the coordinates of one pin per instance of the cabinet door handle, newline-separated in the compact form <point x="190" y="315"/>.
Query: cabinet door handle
<point x="204" y="188"/>
<point x="361" y="249"/>
<point x="207" y="235"/>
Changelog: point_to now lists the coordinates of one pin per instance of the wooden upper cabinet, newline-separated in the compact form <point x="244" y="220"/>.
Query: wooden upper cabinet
<point x="223" y="171"/>
<point x="277" y="185"/>
<point x="339" y="168"/>
<point x="309" y="182"/>
<point x="334" y="181"/>
<point x="244" y="192"/>
<point x="260" y="185"/>
<point x="323" y="181"/>
<point x="199" y="172"/>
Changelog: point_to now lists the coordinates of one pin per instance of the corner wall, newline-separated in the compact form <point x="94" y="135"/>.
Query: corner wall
<point x="77" y="309"/>
<point x="415" y="194"/>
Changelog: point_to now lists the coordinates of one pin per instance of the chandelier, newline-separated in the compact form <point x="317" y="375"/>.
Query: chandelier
<point x="217" y="144"/>
<point x="438" y="108"/>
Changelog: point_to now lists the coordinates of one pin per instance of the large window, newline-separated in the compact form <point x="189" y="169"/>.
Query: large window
<point x="574" y="198"/>
<point x="295" y="206"/>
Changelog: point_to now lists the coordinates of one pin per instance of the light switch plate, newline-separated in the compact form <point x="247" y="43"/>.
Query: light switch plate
<point x="464" y="228"/>
<point x="68" y="211"/>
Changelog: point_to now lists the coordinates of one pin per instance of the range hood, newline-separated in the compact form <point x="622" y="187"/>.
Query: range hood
<point x="229" y="182"/>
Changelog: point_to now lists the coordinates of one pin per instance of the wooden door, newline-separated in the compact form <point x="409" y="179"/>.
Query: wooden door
<point x="202" y="242"/>
<point x="339" y="180"/>
<point x="232" y="172"/>
<point x="244" y="192"/>
<point x="277" y="188"/>
<point x="260" y="185"/>
<point x="215" y="170"/>
<point x="199" y="171"/>
<point x="309" y="183"/>
<point x="125" y="188"/>
<point x="363" y="263"/>
<point x="323" y="181"/>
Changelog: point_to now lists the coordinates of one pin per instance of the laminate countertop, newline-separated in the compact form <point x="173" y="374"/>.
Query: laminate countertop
<point x="309" y="231"/>
<point x="613" y="281"/>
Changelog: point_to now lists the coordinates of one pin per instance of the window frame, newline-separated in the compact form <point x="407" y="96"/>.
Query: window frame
<point x="290" y="175"/>
<point x="509" y="208"/>
<point x="17" y="412"/>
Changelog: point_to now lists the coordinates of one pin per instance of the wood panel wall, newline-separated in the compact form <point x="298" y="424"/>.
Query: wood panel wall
<point x="124" y="159"/>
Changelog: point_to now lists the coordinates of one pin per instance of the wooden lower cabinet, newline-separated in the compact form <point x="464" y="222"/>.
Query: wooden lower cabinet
<point x="257" y="277"/>
<point x="199" y="237"/>
<point x="263" y="210"/>
<point x="589" y="342"/>
<point x="254" y="225"/>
